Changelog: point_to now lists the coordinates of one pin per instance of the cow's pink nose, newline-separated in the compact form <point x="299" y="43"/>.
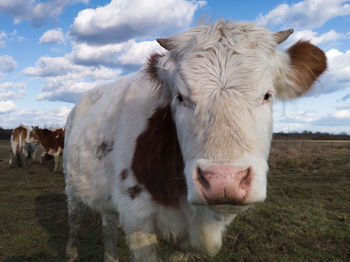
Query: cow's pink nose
<point x="224" y="184"/>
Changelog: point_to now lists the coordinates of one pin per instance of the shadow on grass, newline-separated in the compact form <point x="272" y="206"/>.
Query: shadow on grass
<point x="51" y="213"/>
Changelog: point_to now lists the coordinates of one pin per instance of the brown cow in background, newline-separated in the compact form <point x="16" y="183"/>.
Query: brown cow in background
<point x="52" y="141"/>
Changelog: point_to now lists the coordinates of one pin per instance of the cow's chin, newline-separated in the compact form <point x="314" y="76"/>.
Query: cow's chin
<point x="228" y="209"/>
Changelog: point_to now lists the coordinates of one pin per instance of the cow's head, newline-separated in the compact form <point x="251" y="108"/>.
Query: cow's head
<point x="33" y="134"/>
<point x="221" y="81"/>
<point x="33" y="137"/>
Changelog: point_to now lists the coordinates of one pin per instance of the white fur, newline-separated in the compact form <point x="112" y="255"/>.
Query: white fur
<point x="223" y="71"/>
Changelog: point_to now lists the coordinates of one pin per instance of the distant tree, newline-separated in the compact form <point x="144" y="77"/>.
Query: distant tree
<point x="308" y="135"/>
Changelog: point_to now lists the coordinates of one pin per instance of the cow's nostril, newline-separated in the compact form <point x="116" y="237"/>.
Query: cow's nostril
<point x="246" y="179"/>
<point x="204" y="182"/>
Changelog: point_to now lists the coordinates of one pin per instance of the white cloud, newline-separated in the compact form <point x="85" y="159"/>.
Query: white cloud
<point x="85" y="54"/>
<point x="35" y="11"/>
<point x="342" y="114"/>
<point x="338" y="120"/>
<point x="10" y="90"/>
<point x="343" y="106"/>
<point x="3" y="37"/>
<point x="52" y="36"/>
<point x="66" y="78"/>
<point x="66" y="81"/>
<point x="291" y="121"/>
<point x="12" y="94"/>
<point x="130" y="54"/>
<point x="44" y="118"/>
<point x="7" y="106"/>
<point x="338" y="76"/>
<point x="69" y="92"/>
<point x="305" y="14"/>
<point x="295" y="117"/>
<point x="346" y="97"/>
<point x="49" y="66"/>
<point x="330" y="36"/>
<point x="122" y="20"/>
<point x="7" y="63"/>
<point x="139" y="52"/>
<point x="88" y="65"/>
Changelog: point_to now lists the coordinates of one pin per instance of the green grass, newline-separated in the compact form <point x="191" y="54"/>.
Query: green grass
<point x="306" y="216"/>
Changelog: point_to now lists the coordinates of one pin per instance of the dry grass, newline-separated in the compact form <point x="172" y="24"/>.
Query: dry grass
<point x="305" y="217"/>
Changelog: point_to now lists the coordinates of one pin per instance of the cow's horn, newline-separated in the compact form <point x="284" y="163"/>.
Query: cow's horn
<point x="165" y="42"/>
<point x="281" y="36"/>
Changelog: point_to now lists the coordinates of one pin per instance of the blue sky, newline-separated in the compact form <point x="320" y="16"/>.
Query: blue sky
<point x="54" y="50"/>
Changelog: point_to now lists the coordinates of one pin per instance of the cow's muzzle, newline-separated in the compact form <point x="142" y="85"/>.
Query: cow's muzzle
<point x="223" y="184"/>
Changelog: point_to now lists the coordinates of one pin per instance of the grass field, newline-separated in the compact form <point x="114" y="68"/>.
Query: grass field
<point x="306" y="216"/>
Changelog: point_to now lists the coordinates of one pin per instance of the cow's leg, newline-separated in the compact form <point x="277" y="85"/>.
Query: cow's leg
<point x="23" y="159"/>
<point x="75" y="212"/>
<point x="18" y="159"/>
<point x="179" y="257"/>
<point x="110" y="235"/>
<point x="34" y="153"/>
<point x="28" y="154"/>
<point x="144" y="246"/>
<point x="57" y="159"/>
<point x="143" y="242"/>
<point x="43" y="154"/>
<point x="13" y="152"/>
<point x="13" y="159"/>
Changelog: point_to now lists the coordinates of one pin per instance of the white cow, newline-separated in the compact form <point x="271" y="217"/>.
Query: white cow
<point x="177" y="149"/>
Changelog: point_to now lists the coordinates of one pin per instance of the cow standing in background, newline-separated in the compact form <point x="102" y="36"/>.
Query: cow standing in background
<point x="23" y="145"/>
<point x="177" y="150"/>
<point x="52" y="142"/>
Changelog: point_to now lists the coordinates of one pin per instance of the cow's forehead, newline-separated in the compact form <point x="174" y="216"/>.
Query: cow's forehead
<point x="221" y="69"/>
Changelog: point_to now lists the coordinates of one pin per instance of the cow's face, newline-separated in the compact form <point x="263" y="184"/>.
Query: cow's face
<point x="222" y="91"/>
<point x="223" y="114"/>
<point x="33" y="135"/>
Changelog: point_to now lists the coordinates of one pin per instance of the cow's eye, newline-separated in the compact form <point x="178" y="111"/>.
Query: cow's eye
<point x="267" y="96"/>
<point x="180" y="98"/>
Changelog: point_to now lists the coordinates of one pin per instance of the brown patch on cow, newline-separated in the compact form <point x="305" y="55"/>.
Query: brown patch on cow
<point x="134" y="191"/>
<point x="124" y="174"/>
<point x="157" y="162"/>
<point x="103" y="149"/>
<point x="151" y="68"/>
<point x="308" y="63"/>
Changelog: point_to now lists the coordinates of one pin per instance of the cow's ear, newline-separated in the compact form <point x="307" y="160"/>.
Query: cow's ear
<point x="158" y="71"/>
<point x="304" y="64"/>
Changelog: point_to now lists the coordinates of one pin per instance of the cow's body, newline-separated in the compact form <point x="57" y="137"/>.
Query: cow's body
<point x="23" y="145"/>
<point x="111" y="137"/>
<point x="129" y="155"/>
<point x="52" y="142"/>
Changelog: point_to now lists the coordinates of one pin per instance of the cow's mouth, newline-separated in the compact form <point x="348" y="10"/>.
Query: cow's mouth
<point x="228" y="209"/>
